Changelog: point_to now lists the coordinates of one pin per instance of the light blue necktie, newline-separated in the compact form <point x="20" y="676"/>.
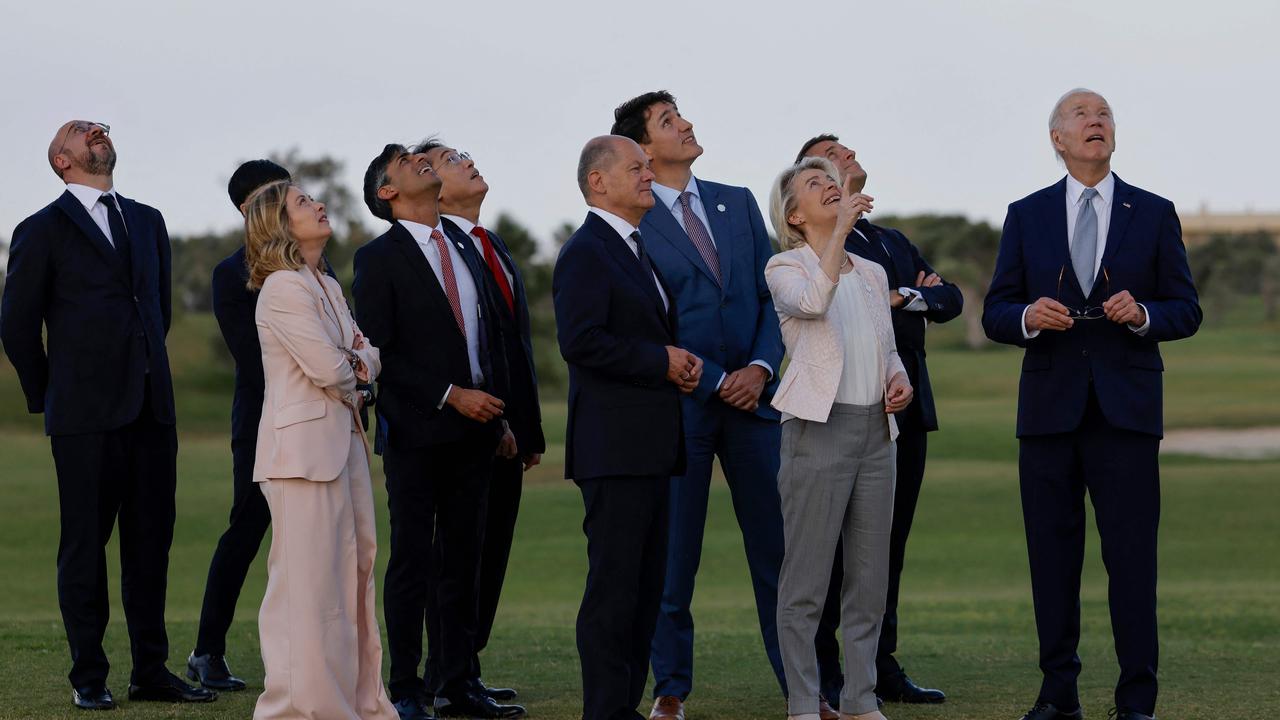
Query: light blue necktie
<point x="1084" y="246"/>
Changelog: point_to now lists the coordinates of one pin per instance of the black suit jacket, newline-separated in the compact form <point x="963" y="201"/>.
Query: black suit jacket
<point x="106" y="323"/>
<point x="403" y="311"/>
<point x="523" y="411"/>
<point x="624" y="416"/>
<point x="902" y="263"/>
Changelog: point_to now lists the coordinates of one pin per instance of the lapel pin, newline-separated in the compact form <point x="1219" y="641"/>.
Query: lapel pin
<point x="720" y="207"/>
<point x="1126" y="204"/>
<point x="460" y="246"/>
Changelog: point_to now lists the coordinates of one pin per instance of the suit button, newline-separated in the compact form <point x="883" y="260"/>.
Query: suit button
<point x="722" y="347"/>
<point x="135" y="298"/>
<point x="1084" y="353"/>
<point x="724" y="304"/>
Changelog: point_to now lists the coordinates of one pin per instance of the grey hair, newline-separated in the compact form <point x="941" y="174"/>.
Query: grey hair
<point x="598" y="152"/>
<point x="1055" y="115"/>
<point x="782" y="199"/>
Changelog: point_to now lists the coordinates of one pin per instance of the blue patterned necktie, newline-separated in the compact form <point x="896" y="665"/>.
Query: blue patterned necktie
<point x="1084" y="246"/>
<point x="697" y="232"/>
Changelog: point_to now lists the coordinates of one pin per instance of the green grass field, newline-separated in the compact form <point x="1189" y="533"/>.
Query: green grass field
<point x="966" y="606"/>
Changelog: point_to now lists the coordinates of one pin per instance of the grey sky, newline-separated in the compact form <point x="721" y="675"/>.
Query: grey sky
<point x="945" y="102"/>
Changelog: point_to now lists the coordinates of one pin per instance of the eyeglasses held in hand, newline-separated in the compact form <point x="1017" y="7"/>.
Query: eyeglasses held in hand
<point x="1088" y="313"/>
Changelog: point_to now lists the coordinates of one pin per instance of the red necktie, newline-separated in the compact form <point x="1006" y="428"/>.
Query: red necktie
<point x="495" y="267"/>
<point x="450" y="282"/>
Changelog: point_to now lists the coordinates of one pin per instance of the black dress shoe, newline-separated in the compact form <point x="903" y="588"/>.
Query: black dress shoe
<point x="497" y="694"/>
<point x="93" y="697"/>
<point x="412" y="708"/>
<point x="476" y="705"/>
<point x="171" y="689"/>
<point x="1047" y="711"/>
<point x="212" y="672"/>
<point x="897" y="687"/>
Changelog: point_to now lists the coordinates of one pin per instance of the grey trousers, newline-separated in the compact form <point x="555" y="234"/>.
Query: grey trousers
<point x="836" y="480"/>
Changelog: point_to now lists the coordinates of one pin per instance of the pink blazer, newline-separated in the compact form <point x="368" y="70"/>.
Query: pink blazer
<point x="309" y="407"/>
<point x="802" y="294"/>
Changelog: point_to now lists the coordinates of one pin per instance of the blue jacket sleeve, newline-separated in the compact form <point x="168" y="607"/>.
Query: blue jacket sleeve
<point x="945" y="301"/>
<point x="1175" y="309"/>
<point x="1007" y="295"/>
<point x="22" y="312"/>
<point x="768" y="345"/>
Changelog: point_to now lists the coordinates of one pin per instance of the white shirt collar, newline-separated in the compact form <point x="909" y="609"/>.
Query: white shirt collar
<point x="420" y="232"/>
<point x="464" y="224"/>
<point x="620" y="226"/>
<point x="1105" y="188"/>
<point x="88" y="196"/>
<point x="670" y="197"/>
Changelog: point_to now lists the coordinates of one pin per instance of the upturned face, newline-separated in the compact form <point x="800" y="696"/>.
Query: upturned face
<point x="816" y="196"/>
<point x="671" y="138"/>
<point x="845" y="160"/>
<point x="412" y="174"/>
<point x="84" y="146"/>
<point x="308" y="223"/>
<point x="459" y="179"/>
<point x="1085" y="131"/>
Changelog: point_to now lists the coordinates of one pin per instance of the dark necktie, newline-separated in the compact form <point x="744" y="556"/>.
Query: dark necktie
<point x="495" y="267"/>
<point x="701" y="238"/>
<point x="450" y="280"/>
<point x="646" y="265"/>
<point x="119" y="235"/>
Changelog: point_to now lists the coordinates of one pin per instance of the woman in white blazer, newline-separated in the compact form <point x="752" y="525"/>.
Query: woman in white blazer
<point x="837" y="395"/>
<point x="321" y="647"/>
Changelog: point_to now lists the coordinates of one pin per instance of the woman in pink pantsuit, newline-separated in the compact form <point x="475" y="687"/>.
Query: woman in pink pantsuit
<point x="320" y="642"/>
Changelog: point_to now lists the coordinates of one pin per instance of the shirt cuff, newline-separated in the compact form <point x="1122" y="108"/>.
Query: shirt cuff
<point x="444" y="398"/>
<point x="767" y="368"/>
<point x="1146" y="325"/>
<point x="915" y="300"/>
<point x="1027" y="334"/>
<point x="720" y="382"/>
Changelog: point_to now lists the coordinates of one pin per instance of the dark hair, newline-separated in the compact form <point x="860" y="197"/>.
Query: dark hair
<point x="376" y="176"/>
<point x="252" y="175"/>
<point x="430" y="143"/>
<point x="804" y="149"/>
<point x="629" y="117"/>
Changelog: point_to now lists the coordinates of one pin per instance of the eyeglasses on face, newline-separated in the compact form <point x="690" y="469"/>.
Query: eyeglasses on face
<point x="1087" y="313"/>
<point x="80" y="127"/>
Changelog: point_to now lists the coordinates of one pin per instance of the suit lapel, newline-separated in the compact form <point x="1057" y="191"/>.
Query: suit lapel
<point x="74" y="210"/>
<point x="721" y="230"/>
<point x="627" y="261"/>
<point x="668" y="230"/>
<point x="413" y="256"/>
<point x="328" y="307"/>
<point x="1121" y="212"/>
<point x="1054" y="210"/>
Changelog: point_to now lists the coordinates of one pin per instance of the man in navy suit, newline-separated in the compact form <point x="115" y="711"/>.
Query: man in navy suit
<point x="917" y="296"/>
<point x="462" y="192"/>
<point x="1090" y="277"/>
<point x="92" y="269"/>
<point x="710" y="244"/>
<point x="617" y="326"/>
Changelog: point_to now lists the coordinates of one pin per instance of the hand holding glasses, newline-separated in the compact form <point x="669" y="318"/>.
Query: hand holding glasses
<point x="1052" y="314"/>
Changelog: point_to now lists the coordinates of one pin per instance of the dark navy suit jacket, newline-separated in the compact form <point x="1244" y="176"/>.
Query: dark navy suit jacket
<point x="106" y="323"/>
<point x="902" y="264"/>
<point x="727" y="326"/>
<point x="624" y="416"/>
<point x="1144" y="255"/>
<point x="523" y="412"/>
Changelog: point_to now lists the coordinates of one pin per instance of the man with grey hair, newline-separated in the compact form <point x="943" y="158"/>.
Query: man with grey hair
<point x="616" y="323"/>
<point x="1091" y="275"/>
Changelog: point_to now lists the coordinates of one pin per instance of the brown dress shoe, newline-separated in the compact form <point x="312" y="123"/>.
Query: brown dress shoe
<point x="825" y="711"/>
<point x="667" y="707"/>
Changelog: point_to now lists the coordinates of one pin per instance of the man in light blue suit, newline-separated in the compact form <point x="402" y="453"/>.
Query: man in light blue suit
<point x="710" y="244"/>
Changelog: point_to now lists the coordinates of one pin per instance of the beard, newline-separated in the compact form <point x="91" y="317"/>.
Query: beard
<point x="95" y="162"/>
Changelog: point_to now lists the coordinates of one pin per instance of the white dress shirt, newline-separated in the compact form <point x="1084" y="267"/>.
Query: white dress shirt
<point x="624" y="228"/>
<point x="1102" y="208"/>
<point x="467" y="226"/>
<point x="467" y="295"/>
<point x="670" y="198"/>
<point x="89" y="197"/>
<point x="862" y="376"/>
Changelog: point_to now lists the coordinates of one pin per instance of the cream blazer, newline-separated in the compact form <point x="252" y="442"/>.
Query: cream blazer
<point x="308" y="410"/>
<point x="802" y="294"/>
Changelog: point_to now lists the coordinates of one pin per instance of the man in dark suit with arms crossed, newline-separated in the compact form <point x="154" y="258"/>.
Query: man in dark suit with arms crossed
<point x="92" y="268"/>
<point x="617" y="328"/>
<point x="1090" y="277"/>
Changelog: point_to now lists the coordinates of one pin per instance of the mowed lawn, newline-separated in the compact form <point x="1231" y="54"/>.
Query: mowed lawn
<point x="966" y="615"/>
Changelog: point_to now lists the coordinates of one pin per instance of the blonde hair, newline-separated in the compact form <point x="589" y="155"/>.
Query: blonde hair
<point x="782" y="199"/>
<point x="268" y="244"/>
